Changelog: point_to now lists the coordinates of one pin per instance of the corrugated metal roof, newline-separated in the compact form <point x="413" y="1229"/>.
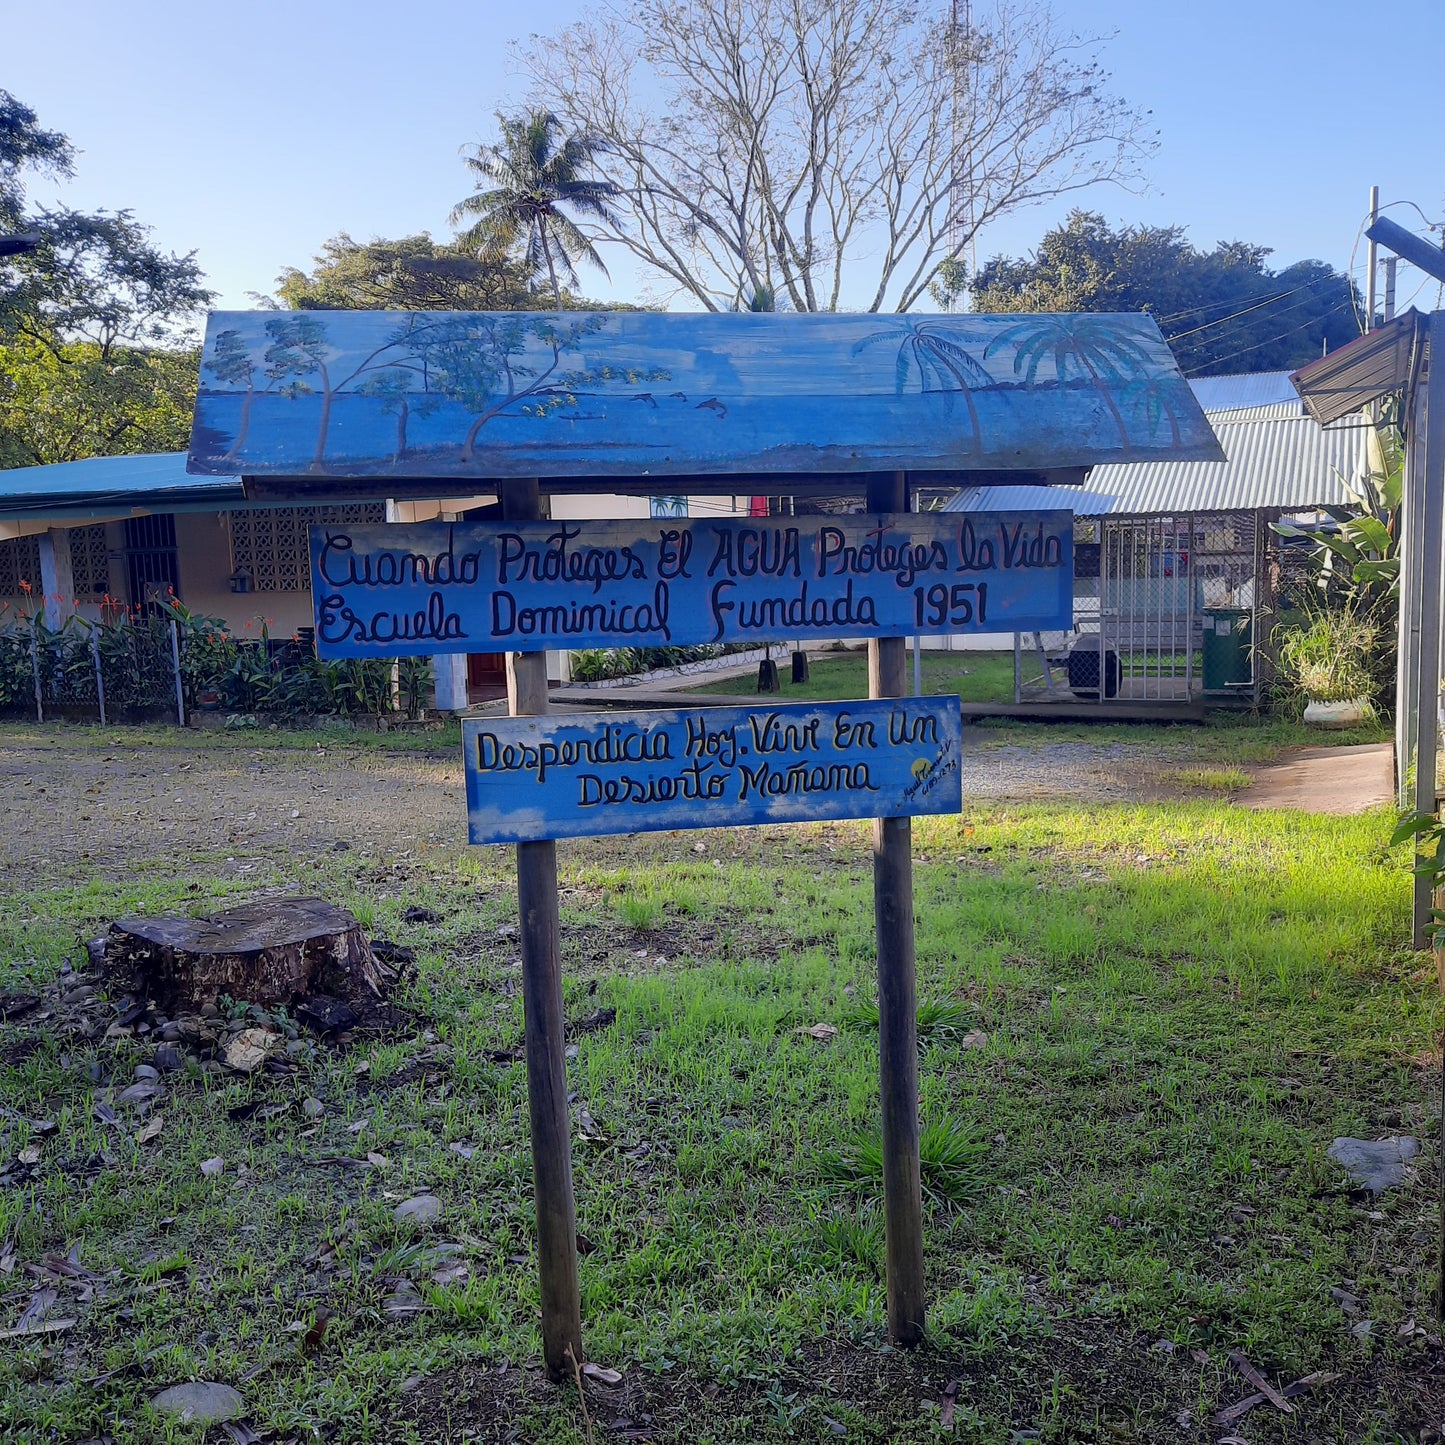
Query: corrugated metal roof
<point x="1349" y="379"/>
<point x="1245" y="391"/>
<point x="145" y="480"/>
<point x="1284" y="463"/>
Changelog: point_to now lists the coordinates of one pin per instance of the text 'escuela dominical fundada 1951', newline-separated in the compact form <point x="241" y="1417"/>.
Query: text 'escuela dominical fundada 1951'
<point x="395" y="590"/>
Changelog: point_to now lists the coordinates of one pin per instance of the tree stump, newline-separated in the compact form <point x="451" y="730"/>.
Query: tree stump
<point x="273" y="951"/>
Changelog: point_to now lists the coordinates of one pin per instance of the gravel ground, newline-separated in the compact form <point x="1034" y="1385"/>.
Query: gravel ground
<point x="103" y="805"/>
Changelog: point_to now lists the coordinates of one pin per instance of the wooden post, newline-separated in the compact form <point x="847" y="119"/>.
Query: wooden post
<point x="545" y="1020"/>
<point x="897" y="998"/>
<point x="1431" y="479"/>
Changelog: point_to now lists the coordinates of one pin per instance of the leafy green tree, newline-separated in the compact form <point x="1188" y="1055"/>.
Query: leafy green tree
<point x="1221" y="310"/>
<point x="63" y="402"/>
<point x="532" y="180"/>
<point x="96" y="322"/>
<point x="414" y="273"/>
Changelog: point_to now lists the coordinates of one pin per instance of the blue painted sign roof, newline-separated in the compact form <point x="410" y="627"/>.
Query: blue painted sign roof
<point x="398" y="589"/>
<point x="636" y="394"/>
<point x="533" y="778"/>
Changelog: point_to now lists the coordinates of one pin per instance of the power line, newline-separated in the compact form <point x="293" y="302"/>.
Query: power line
<point x="1255" y="345"/>
<point x="1268" y="301"/>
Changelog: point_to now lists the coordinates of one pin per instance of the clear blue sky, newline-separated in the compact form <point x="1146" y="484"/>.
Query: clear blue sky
<point x="252" y="133"/>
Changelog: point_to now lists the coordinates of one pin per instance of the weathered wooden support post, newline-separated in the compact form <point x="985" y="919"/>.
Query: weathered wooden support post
<point x="545" y="1022"/>
<point x="897" y="998"/>
<point x="1431" y="480"/>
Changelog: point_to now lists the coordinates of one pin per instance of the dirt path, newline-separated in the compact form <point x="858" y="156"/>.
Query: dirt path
<point x="103" y="805"/>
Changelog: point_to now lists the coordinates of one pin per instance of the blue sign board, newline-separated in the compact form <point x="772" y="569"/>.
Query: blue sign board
<point x="594" y="395"/>
<point x="532" y="778"/>
<point x="394" y="590"/>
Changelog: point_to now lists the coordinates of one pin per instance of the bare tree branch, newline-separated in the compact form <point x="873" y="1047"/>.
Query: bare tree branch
<point x="822" y="147"/>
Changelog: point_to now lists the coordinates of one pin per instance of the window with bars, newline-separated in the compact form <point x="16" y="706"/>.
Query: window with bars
<point x="89" y="562"/>
<point x="272" y="546"/>
<point x="19" y="562"/>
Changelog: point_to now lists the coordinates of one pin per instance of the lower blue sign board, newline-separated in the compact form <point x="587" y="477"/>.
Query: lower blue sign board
<point x="394" y="590"/>
<point x="534" y="778"/>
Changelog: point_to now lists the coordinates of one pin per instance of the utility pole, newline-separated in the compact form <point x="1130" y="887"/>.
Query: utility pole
<point x="1371" y="260"/>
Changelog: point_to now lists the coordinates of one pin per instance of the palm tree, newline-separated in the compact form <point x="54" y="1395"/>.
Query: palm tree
<point x="1095" y="347"/>
<point x="944" y="365"/>
<point x="531" y="182"/>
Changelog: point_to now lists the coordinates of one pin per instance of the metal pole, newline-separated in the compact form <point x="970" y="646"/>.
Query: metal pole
<point x="1371" y="261"/>
<point x="1391" y="262"/>
<point x="176" y="666"/>
<point x="1407" y="675"/>
<point x="897" y="1000"/>
<point x="545" y="1024"/>
<point x="1432" y="538"/>
<point x="35" y="671"/>
<point x="99" y="680"/>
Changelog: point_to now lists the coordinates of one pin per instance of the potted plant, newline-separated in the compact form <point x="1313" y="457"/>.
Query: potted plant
<point x="1326" y="658"/>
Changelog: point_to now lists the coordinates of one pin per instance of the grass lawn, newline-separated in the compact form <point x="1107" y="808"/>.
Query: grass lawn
<point x="1227" y="737"/>
<point x="1143" y="1028"/>
<point x="974" y="676"/>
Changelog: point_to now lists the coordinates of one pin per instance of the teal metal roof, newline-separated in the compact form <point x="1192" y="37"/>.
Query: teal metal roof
<point x="152" y="481"/>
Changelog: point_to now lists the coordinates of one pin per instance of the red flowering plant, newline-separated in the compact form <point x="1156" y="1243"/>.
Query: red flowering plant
<point x="208" y="651"/>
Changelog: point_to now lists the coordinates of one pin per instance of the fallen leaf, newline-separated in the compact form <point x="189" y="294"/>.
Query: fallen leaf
<point x="588" y="1127"/>
<point x="30" y="1154"/>
<point x="151" y="1130"/>
<point x="1260" y="1383"/>
<point x="240" y="1432"/>
<point x="404" y="1299"/>
<point x="602" y="1374"/>
<point x="950" y="1403"/>
<point x="250" y="1049"/>
<point x="212" y="1167"/>
<point x="974" y="1039"/>
<point x="40" y="1301"/>
<point x="311" y="1341"/>
<point x="821" y="1032"/>
<point x="465" y="1150"/>
<point x="458" y="1272"/>
<point x="139" y="1093"/>
<point x="380" y="1160"/>
<point x="50" y="1327"/>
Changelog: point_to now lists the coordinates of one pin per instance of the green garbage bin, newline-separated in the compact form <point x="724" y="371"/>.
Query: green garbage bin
<point x="1228" y="637"/>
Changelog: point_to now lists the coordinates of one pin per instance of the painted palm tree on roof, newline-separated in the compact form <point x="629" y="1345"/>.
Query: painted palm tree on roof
<point x="1094" y="348"/>
<point x="943" y="365"/>
<point x="530" y="181"/>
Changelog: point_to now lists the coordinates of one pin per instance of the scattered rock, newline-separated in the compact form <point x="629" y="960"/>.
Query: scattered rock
<point x="313" y="1108"/>
<point x="145" y="1072"/>
<point x="199" y="1400"/>
<point x="392" y="954"/>
<point x="325" y="1014"/>
<point x="1348" y="1302"/>
<point x="405" y="1299"/>
<point x="424" y="1209"/>
<point x="1376" y="1164"/>
<point x="249" y="1049"/>
<point x="599" y="1019"/>
<point x="140" y="1093"/>
<point x="169" y="1058"/>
